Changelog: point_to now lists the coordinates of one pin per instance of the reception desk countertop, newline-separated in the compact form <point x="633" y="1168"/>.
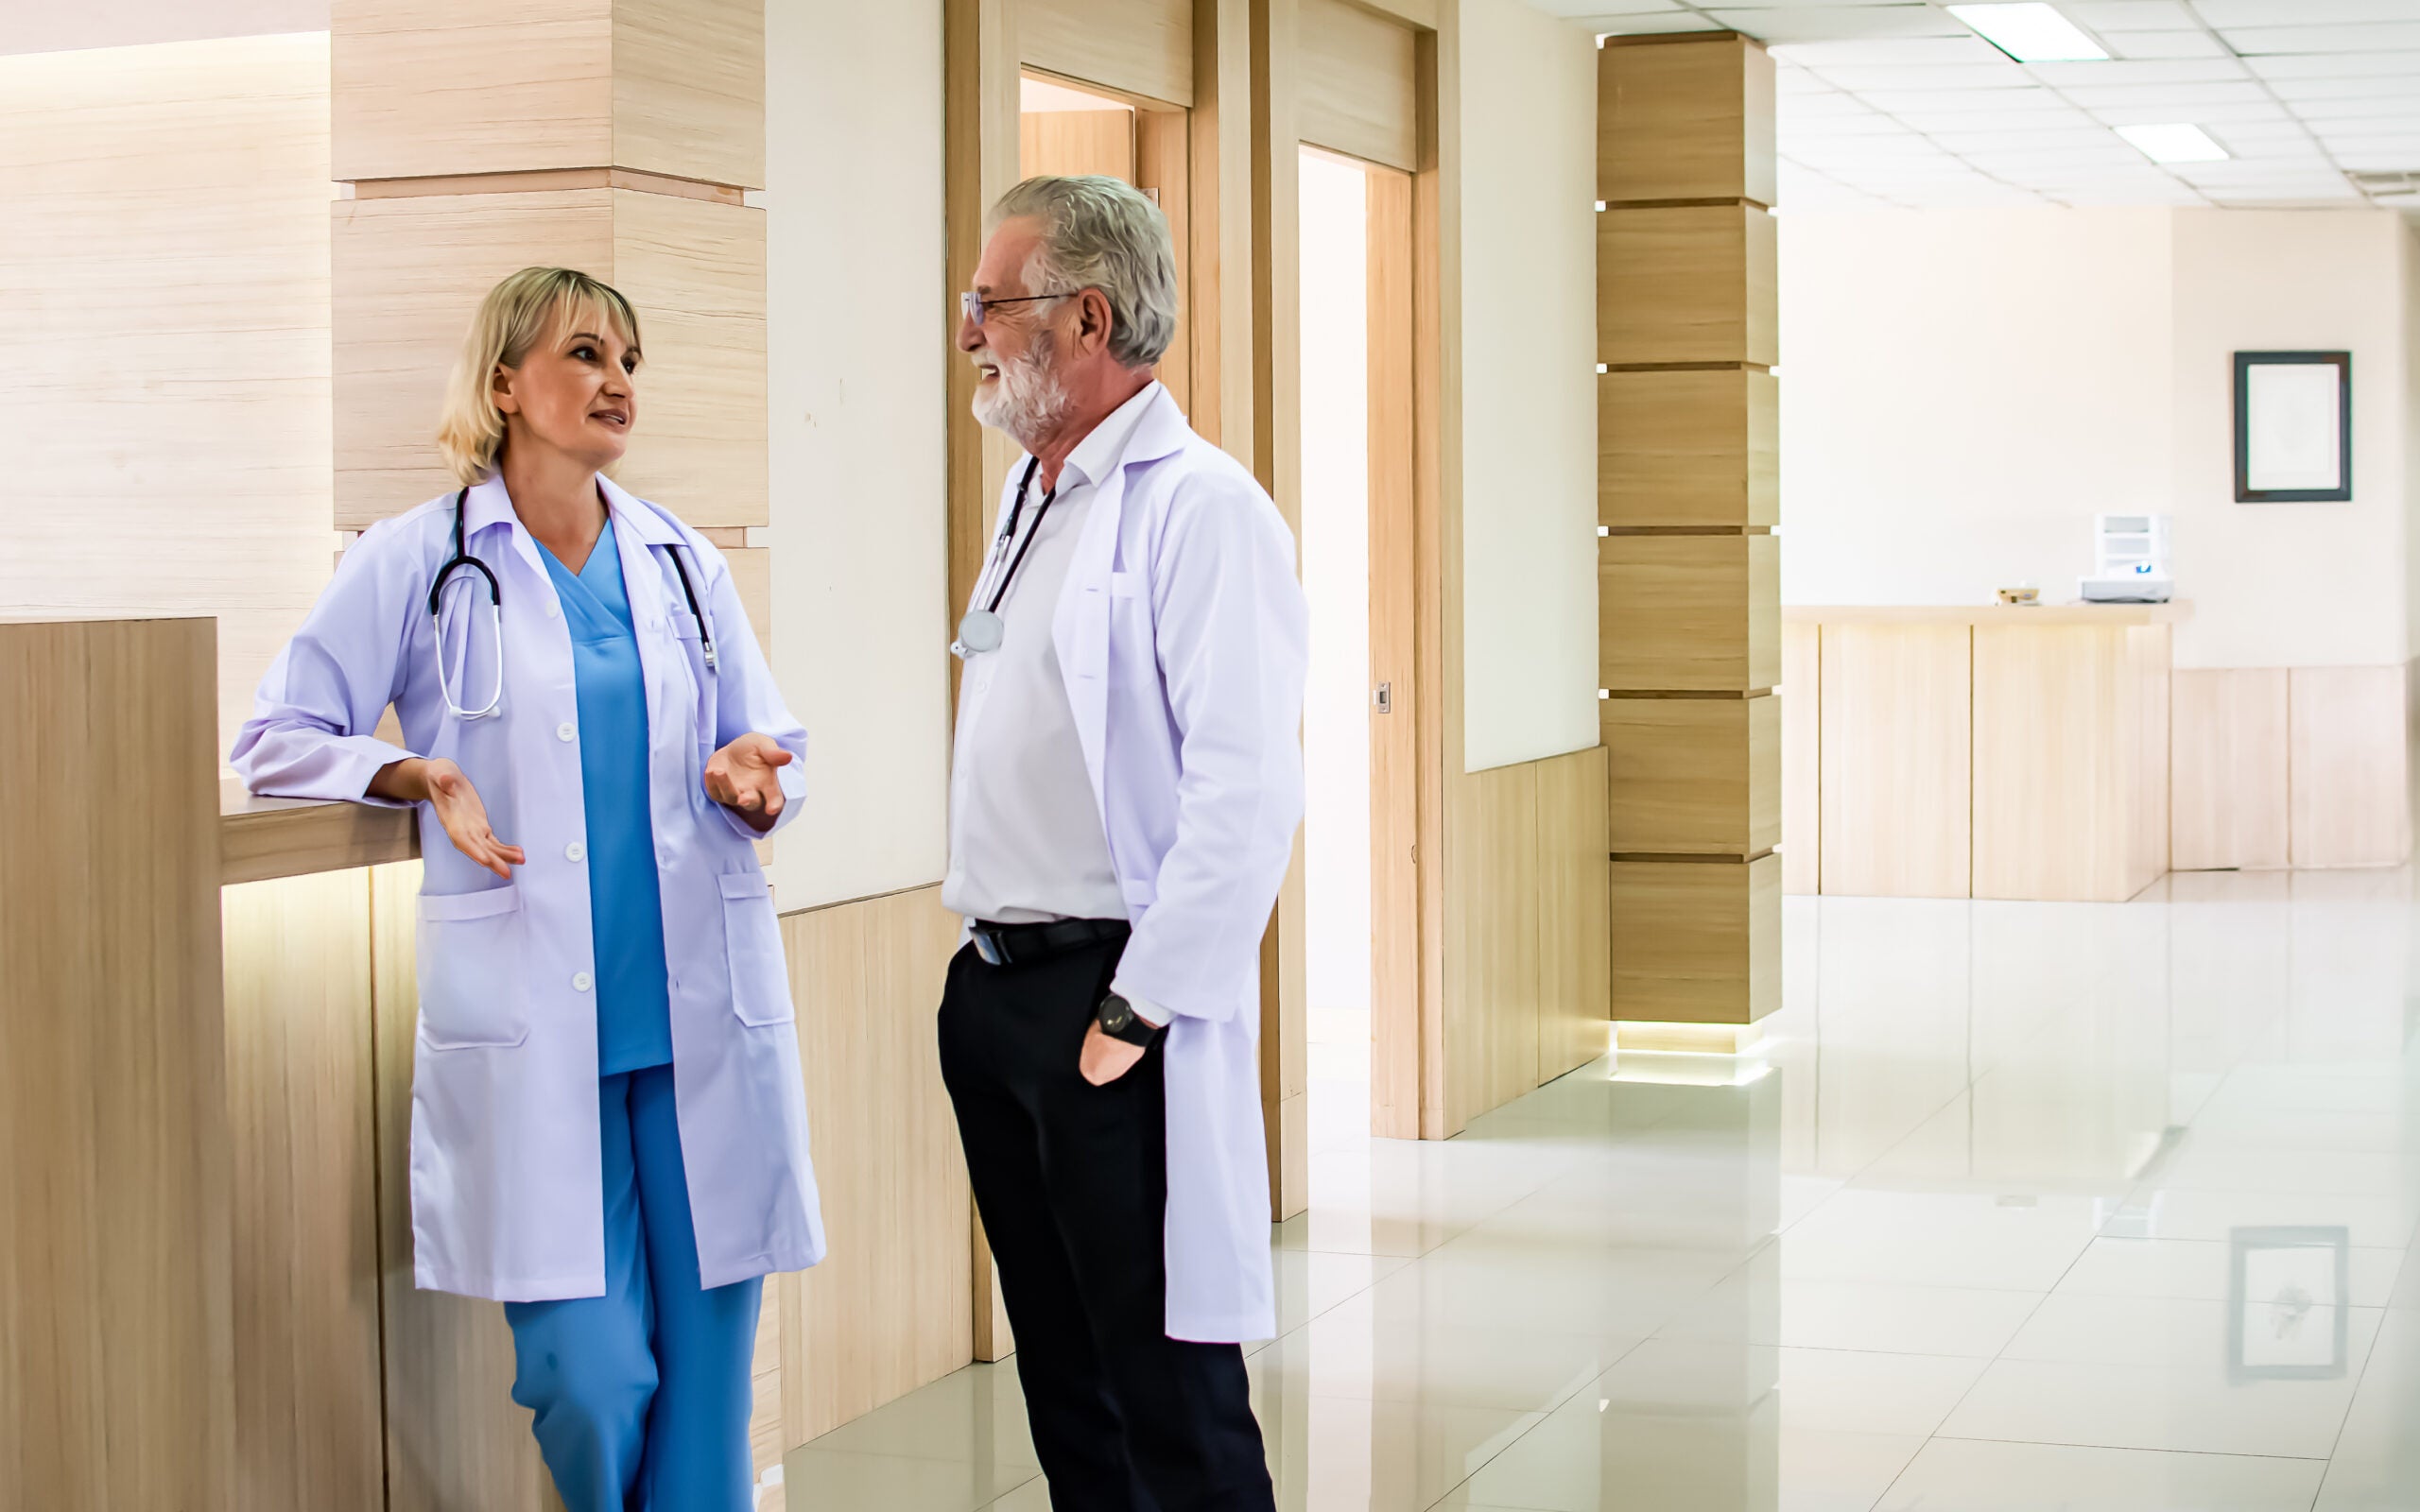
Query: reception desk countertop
<point x="264" y="837"/>
<point x="1993" y="614"/>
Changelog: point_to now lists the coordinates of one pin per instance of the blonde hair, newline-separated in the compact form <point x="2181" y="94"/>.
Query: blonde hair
<point x="514" y="317"/>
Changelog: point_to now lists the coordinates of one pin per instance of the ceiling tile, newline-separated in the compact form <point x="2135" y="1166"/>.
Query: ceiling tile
<point x="2300" y="92"/>
<point x="2114" y="16"/>
<point x="2054" y="141"/>
<point x="2377" y="37"/>
<point x="1652" y="26"/>
<point x="2146" y="45"/>
<point x="2205" y="115"/>
<point x="2227" y="13"/>
<point x="2380" y="156"/>
<point x="1939" y="121"/>
<point x="2338" y="65"/>
<point x="2003" y="75"/>
<point x="2404" y="107"/>
<point x="2185" y="98"/>
<point x="1841" y="24"/>
<point x="1817" y="106"/>
<point x="1967" y="48"/>
<point x="1826" y="127"/>
<point x="2000" y="102"/>
<point x="2189" y="71"/>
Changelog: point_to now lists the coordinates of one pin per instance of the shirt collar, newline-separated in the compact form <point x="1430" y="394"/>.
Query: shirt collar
<point x="1099" y="454"/>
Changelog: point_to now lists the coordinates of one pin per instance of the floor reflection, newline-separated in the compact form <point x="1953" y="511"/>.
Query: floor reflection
<point x="2022" y="1206"/>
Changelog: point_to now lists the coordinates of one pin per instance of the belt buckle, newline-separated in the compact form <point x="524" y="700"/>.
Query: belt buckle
<point x="987" y="948"/>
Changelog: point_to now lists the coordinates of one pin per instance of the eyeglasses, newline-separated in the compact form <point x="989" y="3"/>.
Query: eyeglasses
<point x="972" y="304"/>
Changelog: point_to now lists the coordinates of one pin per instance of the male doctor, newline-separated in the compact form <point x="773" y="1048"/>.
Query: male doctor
<point x="1123" y="800"/>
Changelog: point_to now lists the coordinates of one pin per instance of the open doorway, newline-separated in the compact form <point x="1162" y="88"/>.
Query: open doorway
<point x="1362" y="928"/>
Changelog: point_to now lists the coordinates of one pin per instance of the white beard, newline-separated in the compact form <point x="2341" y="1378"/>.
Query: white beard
<point x="1027" y="400"/>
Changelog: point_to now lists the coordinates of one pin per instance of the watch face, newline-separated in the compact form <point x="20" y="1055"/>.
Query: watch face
<point x="1114" y="1014"/>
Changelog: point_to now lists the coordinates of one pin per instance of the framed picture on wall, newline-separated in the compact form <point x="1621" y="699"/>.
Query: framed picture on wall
<point x="2293" y="427"/>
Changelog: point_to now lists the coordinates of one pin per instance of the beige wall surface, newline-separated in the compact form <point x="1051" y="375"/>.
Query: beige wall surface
<point x="28" y="28"/>
<point x="857" y="340"/>
<point x="1529" y="279"/>
<point x="1968" y="388"/>
<point x="163" y="365"/>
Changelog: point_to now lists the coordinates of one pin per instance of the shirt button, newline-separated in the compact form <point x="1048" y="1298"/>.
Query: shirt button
<point x="580" y="982"/>
<point x="575" y="851"/>
<point x="565" y="730"/>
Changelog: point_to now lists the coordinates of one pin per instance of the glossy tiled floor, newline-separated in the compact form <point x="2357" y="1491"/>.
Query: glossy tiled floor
<point x="2024" y="1206"/>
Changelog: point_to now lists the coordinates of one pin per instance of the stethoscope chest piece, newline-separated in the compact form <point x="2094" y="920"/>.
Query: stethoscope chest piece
<point x="981" y="631"/>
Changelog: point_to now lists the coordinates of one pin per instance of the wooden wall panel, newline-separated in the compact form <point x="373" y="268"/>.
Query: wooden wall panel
<point x="2229" y="800"/>
<point x="1359" y="87"/>
<point x="2051" y="817"/>
<point x="1802" y="765"/>
<point x="1689" y="449"/>
<point x="1574" y="915"/>
<point x="1694" y="775"/>
<point x="1696" y="941"/>
<point x="164" y="363"/>
<point x="887" y="1310"/>
<point x="1492" y="881"/>
<point x="1076" y="141"/>
<point x="116" y="1365"/>
<point x="1689" y="614"/>
<point x="751" y="575"/>
<point x="1897" y="728"/>
<point x="2348" y="804"/>
<point x="1685" y="120"/>
<point x="1692" y="284"/>
<point x="1136" y="47"/>
<point x="309" y="1412"/>
<point x="2144" y="718"/>
<point x="411" y="272"/>
<point x="428" y="88"/>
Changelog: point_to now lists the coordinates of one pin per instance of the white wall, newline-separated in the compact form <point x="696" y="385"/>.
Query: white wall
<point x="857" y="400"/>
<point x="1336" y="574"/>
<point x="1963" y="390"/>
<point x="1529" y="279"/>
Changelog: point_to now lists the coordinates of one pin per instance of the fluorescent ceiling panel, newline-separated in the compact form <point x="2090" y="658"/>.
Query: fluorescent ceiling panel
<point x="2174" y="141"/>
<point x="2031" y="31"/>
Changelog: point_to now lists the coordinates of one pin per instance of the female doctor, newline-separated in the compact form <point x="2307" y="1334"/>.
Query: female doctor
<point x="608" y="1132"/>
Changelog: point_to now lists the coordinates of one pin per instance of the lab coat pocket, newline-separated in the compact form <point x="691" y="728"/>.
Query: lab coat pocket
<point x="760" y="981"/>
<point x="470" y="970"/>
<point x="1132" y="645"/>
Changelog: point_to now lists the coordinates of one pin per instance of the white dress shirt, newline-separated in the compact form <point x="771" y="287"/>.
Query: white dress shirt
<point x="1026" y="843"/>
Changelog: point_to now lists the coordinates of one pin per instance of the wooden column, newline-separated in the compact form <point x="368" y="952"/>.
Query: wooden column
<point x="614" y="136"/>
<point x="1688" y="567"/>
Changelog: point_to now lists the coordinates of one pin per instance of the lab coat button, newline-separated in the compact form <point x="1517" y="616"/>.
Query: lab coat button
<point x="575" y="851"/>
<point x="565" y="730"/>
<point x="553" y="609"/>
<point x="580" y="982"/>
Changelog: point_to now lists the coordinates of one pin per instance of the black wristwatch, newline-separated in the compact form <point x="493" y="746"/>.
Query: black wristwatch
<point x="1119" y="1019"/>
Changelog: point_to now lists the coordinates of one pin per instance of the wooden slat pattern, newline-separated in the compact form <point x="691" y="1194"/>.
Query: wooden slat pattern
<point x="164" y="365"/>
<point x="1696" y="942"/>
<point x="1690" y="283"/>
<point x="2229" y="802"/>
<point x="1359" y="89"/>
<point x="1491" y="873"/>
<point x="885" y="1312"/>
<point x="2145" y="740"/>
<point x="2051" y="812"/>
<point x="1694" y="775"/>
<point x="1689" y="614"/>
<point x="1897" y="730"/>
<point x="116" y="1364"/>
<point x="1802" y="763"/>
<point x="2348" y="800"/>
<point x="1136" y="47"/>
<point x="1575" y="921"/>
<point x="1685" y="120"/>
<point x="432" y="87"/>
<point x="411" y="272"/>
<point x="300" y="1092"/>
<point x="1689" y="449"/>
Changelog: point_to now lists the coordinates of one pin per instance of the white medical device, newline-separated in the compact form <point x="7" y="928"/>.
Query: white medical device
<point x="2131" y="560"/>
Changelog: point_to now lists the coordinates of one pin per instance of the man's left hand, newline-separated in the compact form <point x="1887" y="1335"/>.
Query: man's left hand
<point x="1106" y="1060"/>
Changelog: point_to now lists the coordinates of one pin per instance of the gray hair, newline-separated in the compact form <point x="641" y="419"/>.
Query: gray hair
<point x="1102" y="234"/>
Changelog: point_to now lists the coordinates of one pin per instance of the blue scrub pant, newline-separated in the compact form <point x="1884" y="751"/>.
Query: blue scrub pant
<point x="643" y="1394"/>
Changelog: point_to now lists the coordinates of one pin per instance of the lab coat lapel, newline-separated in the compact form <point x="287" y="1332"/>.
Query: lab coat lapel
<point x="643" y="583"/>
<point x="1079" y="623"/>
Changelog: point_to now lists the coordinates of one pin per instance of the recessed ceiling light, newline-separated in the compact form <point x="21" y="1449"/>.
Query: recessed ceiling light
<point x="2179" y="142"/>
<point x="2033" y="33"/>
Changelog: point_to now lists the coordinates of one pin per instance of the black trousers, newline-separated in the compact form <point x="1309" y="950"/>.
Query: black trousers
<point x="1072" y="1182"/>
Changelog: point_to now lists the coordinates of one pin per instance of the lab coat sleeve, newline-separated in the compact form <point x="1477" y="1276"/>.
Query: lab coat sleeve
<point x="310" y="733"/>
<point x="1232" y="629"/>
<point x="746" y="698"/>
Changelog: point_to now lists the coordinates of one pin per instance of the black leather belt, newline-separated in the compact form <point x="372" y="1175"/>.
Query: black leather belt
<point x="1020" y="944"/>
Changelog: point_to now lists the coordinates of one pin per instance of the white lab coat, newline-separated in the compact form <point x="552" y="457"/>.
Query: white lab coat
<point x="1182" y="640"/>
<point x="506" y="1188"/>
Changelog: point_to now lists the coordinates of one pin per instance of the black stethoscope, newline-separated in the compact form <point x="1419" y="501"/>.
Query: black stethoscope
<point x="983" y="629"/>
<point x="462" y="558"/>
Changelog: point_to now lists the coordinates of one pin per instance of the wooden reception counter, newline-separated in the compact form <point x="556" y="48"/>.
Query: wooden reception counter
<point x="1988" y="752"/>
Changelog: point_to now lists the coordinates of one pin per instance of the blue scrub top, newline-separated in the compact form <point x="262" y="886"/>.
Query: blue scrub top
<point x="625" y="904"/>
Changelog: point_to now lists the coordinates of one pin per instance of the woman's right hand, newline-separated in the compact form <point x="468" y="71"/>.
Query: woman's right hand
<point x="442" y="786"/>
